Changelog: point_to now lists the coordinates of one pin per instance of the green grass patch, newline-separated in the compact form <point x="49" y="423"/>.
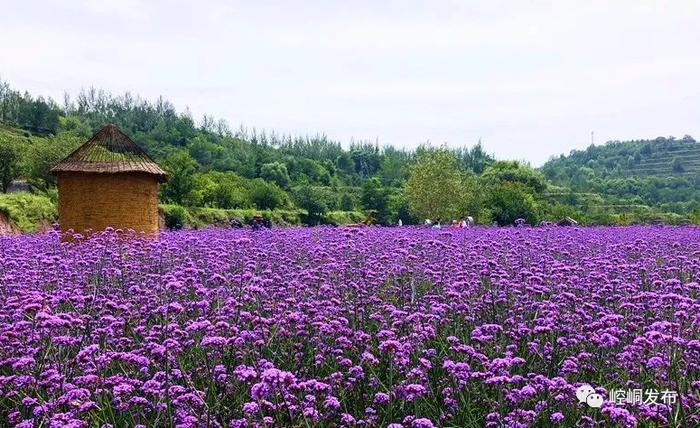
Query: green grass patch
<point x="345" y="217"/>
<point x="27" y="211"/>
<point x="199" y="217"/>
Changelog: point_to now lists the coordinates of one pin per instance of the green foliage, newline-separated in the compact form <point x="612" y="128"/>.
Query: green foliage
<point x="181" y="168"/>
<point x="309" y="171"/>
<point x="434" y="188"/>
<point x="376" y="198"/>
<point x="314" y="200"/>
<point x="345" y="163"/>
<point x="44" y="154"/>
<point x="345" y="217"/>
<point x="36" y="115"/>
<point x="347" y="202"/>
<point x="176" y="216"/>
<point x="202" y="217"/>
<point x="9" y="165"/>
<point x="475" y="159"/>
<point x="366" y="159"/>
<point x="199" y="217"/>
<point x="213" y="168"/>
<point x="75" y="125"/>
<point x="310" y="199"/>
<point x="400" y="210"/>
<point x="267" y="196"/>
<point x="514" y="172"/>
<point x="393" y="166"/>
<point x="26" y="211"/>
<point x="223" y="190"/>
<point x="473" y="195"/>
<point x="509" y="201"/>
<point x="694" y="217"/>
<point x="677" y="166"/>
<point x="275" y="172"/>
<point x="663" y="173"/>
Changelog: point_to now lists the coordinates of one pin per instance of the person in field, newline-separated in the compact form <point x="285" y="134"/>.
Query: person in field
<point x="466" y="221"/>
<point x="257" y="222"/>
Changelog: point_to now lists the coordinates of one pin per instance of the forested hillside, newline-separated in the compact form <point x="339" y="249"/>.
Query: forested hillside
<point x="664" y="172"/>
<point x="218" y="172"/>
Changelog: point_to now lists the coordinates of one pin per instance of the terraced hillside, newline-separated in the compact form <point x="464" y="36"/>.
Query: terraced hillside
<point x="675" y="158"/>
<point x="662" y="172"/>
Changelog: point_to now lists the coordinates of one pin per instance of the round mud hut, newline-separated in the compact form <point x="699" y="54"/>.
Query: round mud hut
<point x="108" y="181"/>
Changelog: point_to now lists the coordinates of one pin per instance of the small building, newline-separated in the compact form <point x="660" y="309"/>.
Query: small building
<point x="567" y="221"/>
<point x="108" y="181"/>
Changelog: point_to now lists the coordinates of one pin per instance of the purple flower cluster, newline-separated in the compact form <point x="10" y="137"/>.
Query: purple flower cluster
<point x="399" y="327"/>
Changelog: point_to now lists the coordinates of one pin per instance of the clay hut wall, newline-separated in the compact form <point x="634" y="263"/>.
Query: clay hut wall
<point x="97" y="201"/>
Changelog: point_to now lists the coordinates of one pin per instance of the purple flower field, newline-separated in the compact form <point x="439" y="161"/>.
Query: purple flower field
<point x="398" y="327"/>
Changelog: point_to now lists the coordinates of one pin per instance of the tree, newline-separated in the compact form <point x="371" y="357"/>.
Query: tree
<point x="313" y="201"/>
<point x="266" y="195"/>
<point x="375" y="197"/>
<point x="345" y="163"/>
<point x="366" y="158"/>
<point x="223" y="190"/>
<point x="508" y="201"/>
<point x="393" y="166"/>
<point x="311" y="171"/>
<point x="399" y="209"/>
<point x="347" y="202"/>
<point x="43" y="116"/>
<point x="76" y="125"/>
<point x="227" y="196"/>
<point x="515" y="172"/>
<point x="677" y="165"/>
<point x="434" y="189"/>
<point x="473" y="198"/>
<point x="9" y="165"/>
<point x="203" y="151"/>
<point x="275" y="172"/>
<point x="181" y="168"/>
<point x="46" y="153"/>
<point x="476" y="159"/>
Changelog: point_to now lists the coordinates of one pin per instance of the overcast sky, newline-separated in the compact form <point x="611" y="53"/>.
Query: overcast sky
<point x="531" y="79"/>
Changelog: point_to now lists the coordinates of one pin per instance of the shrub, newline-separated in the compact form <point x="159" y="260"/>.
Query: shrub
<point x="275" y="172"/>
<point x="267" y="195"/>
<point x="344" y="217"/>
<point x="313" y="201"/>
<point x="28" y="211"/>
<point x="176" y="216"/>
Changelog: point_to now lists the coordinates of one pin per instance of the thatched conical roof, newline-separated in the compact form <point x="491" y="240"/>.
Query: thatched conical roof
<point x="110" y="151"/>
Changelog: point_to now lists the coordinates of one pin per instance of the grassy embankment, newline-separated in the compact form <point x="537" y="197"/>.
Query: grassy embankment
<point x="27" y="212"/>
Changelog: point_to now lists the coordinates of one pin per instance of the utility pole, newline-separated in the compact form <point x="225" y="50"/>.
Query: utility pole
<point x="592" y="138"/>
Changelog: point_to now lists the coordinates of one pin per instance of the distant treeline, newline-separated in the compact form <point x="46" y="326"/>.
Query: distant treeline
<point x="38" y="115"/>
<point x="212" y="165"/>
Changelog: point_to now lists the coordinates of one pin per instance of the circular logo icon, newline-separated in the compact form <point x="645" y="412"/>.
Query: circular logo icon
<point x="586" y="394"/>
<point x="594" y="400"/>
<point x="583" y="391"/>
